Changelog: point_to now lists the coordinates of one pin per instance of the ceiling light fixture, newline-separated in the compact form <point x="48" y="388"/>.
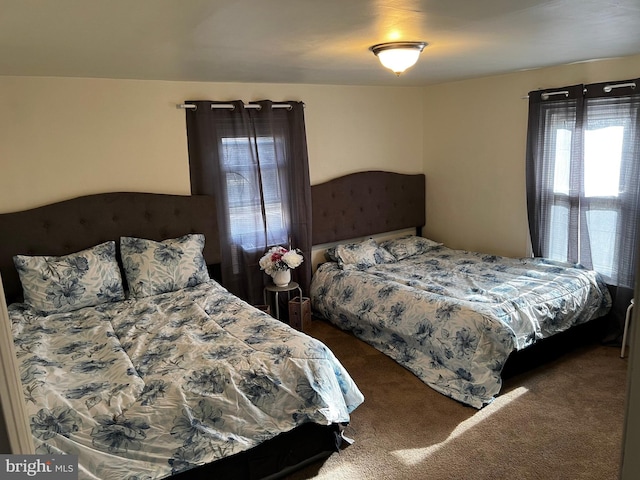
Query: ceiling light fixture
<point x="398" y="56"/>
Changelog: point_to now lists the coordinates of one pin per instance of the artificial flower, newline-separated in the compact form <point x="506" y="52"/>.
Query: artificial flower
<point x="279" y="259"/>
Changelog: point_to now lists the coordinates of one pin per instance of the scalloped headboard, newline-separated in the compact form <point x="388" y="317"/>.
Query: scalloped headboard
<point x="73" y="225"/>
<point x="367" y="203"/>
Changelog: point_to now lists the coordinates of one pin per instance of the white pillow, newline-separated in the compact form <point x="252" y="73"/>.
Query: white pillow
<point x="70" y="282"/>
<point x="158" y="267"/>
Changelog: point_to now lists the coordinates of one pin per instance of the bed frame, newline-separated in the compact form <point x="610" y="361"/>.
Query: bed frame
<point x="73" y="225"/>
<point x="367" y="203"/>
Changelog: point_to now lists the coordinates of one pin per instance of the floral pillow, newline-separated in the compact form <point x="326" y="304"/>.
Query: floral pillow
<point x="158" y="267"/>
<point x="409" y="245"/>
<point x="361" y="255"/>
<point x="67" y="283"/>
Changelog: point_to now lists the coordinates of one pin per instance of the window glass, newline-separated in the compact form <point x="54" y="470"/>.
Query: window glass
<point x="562" y="162"/>
<point x="558" y="243"/>
<point x="244" y="181"/>
<point x="602" y="160"/>
<point x="603" y="225"/>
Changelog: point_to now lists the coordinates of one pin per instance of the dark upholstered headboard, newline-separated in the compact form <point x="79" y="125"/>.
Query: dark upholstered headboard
<point x="366" y="203"/>
<point x="73" y="225"/>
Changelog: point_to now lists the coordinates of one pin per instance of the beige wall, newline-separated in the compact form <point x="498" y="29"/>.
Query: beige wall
<point x="475" y="142"/>
<point x="63" y="137"/>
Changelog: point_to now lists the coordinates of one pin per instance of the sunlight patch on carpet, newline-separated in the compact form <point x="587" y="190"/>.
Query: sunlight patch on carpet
<point x="346" y="471"/>
<point x="413" y="456"/>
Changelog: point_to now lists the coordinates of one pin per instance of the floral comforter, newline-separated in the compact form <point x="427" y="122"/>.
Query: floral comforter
<point x="147" y="388"/>
<point x="453" y="317"/>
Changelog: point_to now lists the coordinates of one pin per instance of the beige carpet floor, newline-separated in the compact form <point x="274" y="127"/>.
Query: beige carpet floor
<point x="559" y="420"/>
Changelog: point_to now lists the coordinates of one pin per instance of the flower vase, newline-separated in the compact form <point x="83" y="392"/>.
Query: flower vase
<point x="281" y="278"/>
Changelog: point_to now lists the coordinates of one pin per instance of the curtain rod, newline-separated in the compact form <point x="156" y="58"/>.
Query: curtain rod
<point x="545" y="96"/>
<point x="231" y="106"/>
<point x="607" y="89"/>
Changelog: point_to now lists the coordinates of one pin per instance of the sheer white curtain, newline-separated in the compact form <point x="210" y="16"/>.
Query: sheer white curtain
<point x="583" y="177"/>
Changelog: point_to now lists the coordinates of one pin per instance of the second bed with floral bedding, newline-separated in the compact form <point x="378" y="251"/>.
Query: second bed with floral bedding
<point x="180" y="374"/>
<point x="452" y="317"/>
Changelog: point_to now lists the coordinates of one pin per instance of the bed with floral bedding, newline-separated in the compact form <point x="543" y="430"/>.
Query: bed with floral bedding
<point x="133" y="357"/>
<point x="171" y="381"/>
<point x="452" y="317"/>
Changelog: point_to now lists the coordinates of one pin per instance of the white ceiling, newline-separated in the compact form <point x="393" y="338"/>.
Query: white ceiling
<point x="307" y="41"/>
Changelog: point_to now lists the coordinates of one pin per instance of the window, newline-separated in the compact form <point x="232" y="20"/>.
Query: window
<point x="253" y="159"/>
<point x="252" y="192"/>
<point x="583" y="169"/>
<point x="602" y="184"/>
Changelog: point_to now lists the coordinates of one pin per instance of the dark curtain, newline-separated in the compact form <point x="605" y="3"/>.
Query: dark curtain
<point x="254" y="161"/>
<point x="583" y="180"/>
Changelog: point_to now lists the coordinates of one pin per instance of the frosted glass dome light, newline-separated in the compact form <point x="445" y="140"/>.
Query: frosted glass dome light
<point x="398" y="56"/>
